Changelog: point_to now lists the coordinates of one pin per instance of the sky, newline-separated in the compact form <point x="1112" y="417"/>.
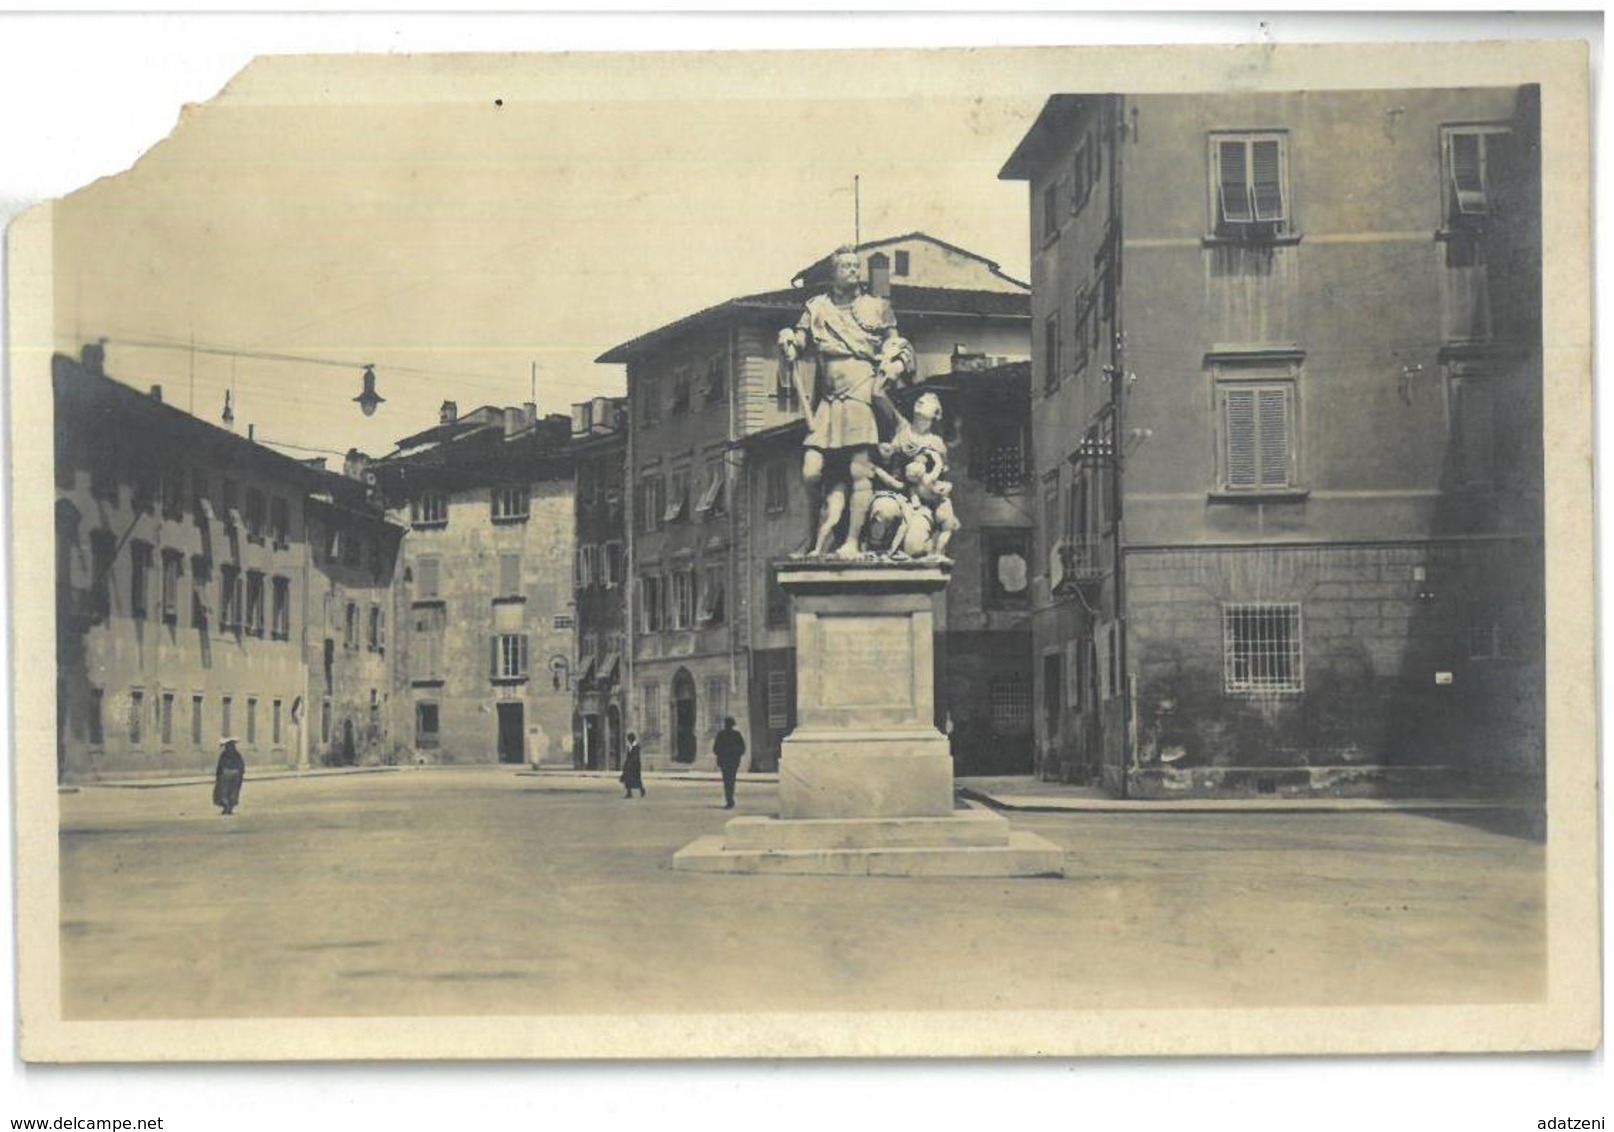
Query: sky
<point x="458" y="221"/>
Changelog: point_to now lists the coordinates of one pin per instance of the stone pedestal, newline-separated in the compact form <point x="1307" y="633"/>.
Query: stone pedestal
<point x="866" y="780"/>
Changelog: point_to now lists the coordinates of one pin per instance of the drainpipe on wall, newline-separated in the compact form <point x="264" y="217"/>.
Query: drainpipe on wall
<point x="630" y="501"/>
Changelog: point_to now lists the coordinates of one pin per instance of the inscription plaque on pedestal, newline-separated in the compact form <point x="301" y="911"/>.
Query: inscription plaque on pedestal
<point x="866" y="661"/>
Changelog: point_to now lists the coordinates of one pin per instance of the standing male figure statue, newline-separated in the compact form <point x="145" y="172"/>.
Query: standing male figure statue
<point x="858" y="352"/>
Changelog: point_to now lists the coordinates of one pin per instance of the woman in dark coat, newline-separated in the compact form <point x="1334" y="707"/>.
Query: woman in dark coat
<point x="632" y="777"/>
<point x="227" y="778"/>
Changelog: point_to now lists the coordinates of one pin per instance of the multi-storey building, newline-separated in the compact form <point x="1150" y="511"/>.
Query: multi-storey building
<point x="599" y="452"/>
<point x="699" y="391"/>
<point x="483" y="649"/>
<point x="353" y="555"/>
<point x="1287" y="436"/>
<point x="184" y="585"/>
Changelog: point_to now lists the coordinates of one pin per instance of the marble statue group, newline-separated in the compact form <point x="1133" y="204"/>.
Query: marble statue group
<point x="876" y="479"/>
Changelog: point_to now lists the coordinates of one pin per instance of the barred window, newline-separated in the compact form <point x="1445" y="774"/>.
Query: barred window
<point x="1011" y="706"/>
<point x="778" y="699"/>
<point x="1261" y="648"/>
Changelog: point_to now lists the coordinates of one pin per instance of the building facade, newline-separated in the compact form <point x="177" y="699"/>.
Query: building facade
<point x="483" y="656"/>
<point x="1287" y="436"/>
<point x="182" y="583"/>
<point x="600" y="582"/>
<point x="705" y="397"/>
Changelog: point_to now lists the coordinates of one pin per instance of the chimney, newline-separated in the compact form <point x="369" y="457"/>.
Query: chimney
<point x="252" y="431"/>
<point x="449" y="413"/>
<point x="94" y="357"/>
<point x="512" y="421"/>
<point x="157" y="394"/>
<point x="531" y="408"/>
<point x="354" y="464"/>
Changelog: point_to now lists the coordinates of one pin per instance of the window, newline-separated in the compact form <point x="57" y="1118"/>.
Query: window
<point x="197" y="706"/>
<point x="717" y="385"/>
<point x="139" y="568"/>
<point x="427" y="735"/>
<point x="201" y="495"/>
<point x="1472" y="411"/>
<point x="1474" y="162"/>
<point x="650" y="603"/>
<point x="255" y="603"/>
<point x="614" y="563"/>
<point x="1053" y="689"/>
<point x="775" y="489"/>
<point x="677" y="496"/>
<point x="1005" y="557"/>
<point x="510" y="574"/>
<point x="137" y="717"/>
<point x="426" y="647"/>
<point x="683" y="599"/>
<point x="252" y="721"/>
<point x="778" y="602"/>
<point x="173" y="492"/>
<point x="1084" y="339"/>
<point x="778" y="699"/>
<point x="230" y="595"/>
<point x="1258" y="435"/>
<point x="377" y="635"/>
<point x="279" y="521"/>
<point x="429" y="509"/>
<point x="325" y="721"/>
<point x="97" y="719"/>
<point x="255" y="515"/>
<point x="143" y="489"/>
<point x="274" y="723"/>
<point x="350" y="626"/>
<point x="717" y="703"/>
<point x="1050" y="515"/>
<point x="510" y="504"/>
<point x="653" y="499"/>
<point x="1084" y="173"/>
<point x="1261" y="648"/>
<point x="1011" y="706"/>
<point x="104" y="477"/>
<point x="103" y="553"/>
<point x="280" y="623"/>
<point x="426" y="579"/>
<point x="649" y="401"/>
<point x="711" y="607"/>
<point x="231" y="499"/>
<point x="201" y="580"/>
<point x="173" y="561"/>
<point x="900" y="266"/>
<point x="1249" y="176"/>
<point x="712" y="500"/>
<point x="1050" y="212"/>
<point x="226" y="716"/>
<point x="680" y="392"/>
<point x="582" y="568"/>
<point x="997" y="449"/>
<point x="509" y="656"/>
<point x="1050" y="353"/>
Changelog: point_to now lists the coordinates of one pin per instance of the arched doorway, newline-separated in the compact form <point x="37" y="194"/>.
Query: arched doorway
<point x="683" y="705"/>
<point x="613" y="736"/>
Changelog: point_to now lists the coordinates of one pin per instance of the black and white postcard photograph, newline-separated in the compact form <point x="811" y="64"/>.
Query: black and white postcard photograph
<point x="835" y="551"/>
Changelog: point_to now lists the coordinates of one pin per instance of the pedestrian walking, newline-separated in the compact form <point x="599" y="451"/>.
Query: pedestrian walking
<point x="729" y="747"/>
<point x="228" y="776"/>
<point x="632" y="777"/>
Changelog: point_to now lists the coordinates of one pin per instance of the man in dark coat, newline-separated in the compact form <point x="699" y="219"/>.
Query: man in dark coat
<point x="729" y="747"/>
<point x="228" y="776"/>
<point x="632" y="776"/>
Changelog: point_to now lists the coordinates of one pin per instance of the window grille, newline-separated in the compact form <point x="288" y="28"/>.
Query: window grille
<point x="778" y="700"/>
<point x="1261" y="648"/>
<point x="1011" y="706"/>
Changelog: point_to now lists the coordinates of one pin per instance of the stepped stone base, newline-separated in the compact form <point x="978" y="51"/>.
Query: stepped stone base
<point x="969" y="843"/>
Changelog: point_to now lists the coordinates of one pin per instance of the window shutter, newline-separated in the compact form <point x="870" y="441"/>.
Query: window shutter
<point x="1234" y="181"/>
<point x="521" y="655"/>
<point x="493" y="656"/>
<point x="1268" y="180"/>
<point x="1468" y="173"/>
<point x="1273" y="407"/>
<point x="1239" y="408"/>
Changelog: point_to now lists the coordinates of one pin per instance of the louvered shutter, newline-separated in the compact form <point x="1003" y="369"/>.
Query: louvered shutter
<point x="1239" y="410"/>
<point x="1273" y="426"/>
<point x="1234" y="181"/>
<point x="521" y="656"/>
<point x="493" y="657"/>
<point x="1468" y="173"/>
<point x="1267" y="167"/>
